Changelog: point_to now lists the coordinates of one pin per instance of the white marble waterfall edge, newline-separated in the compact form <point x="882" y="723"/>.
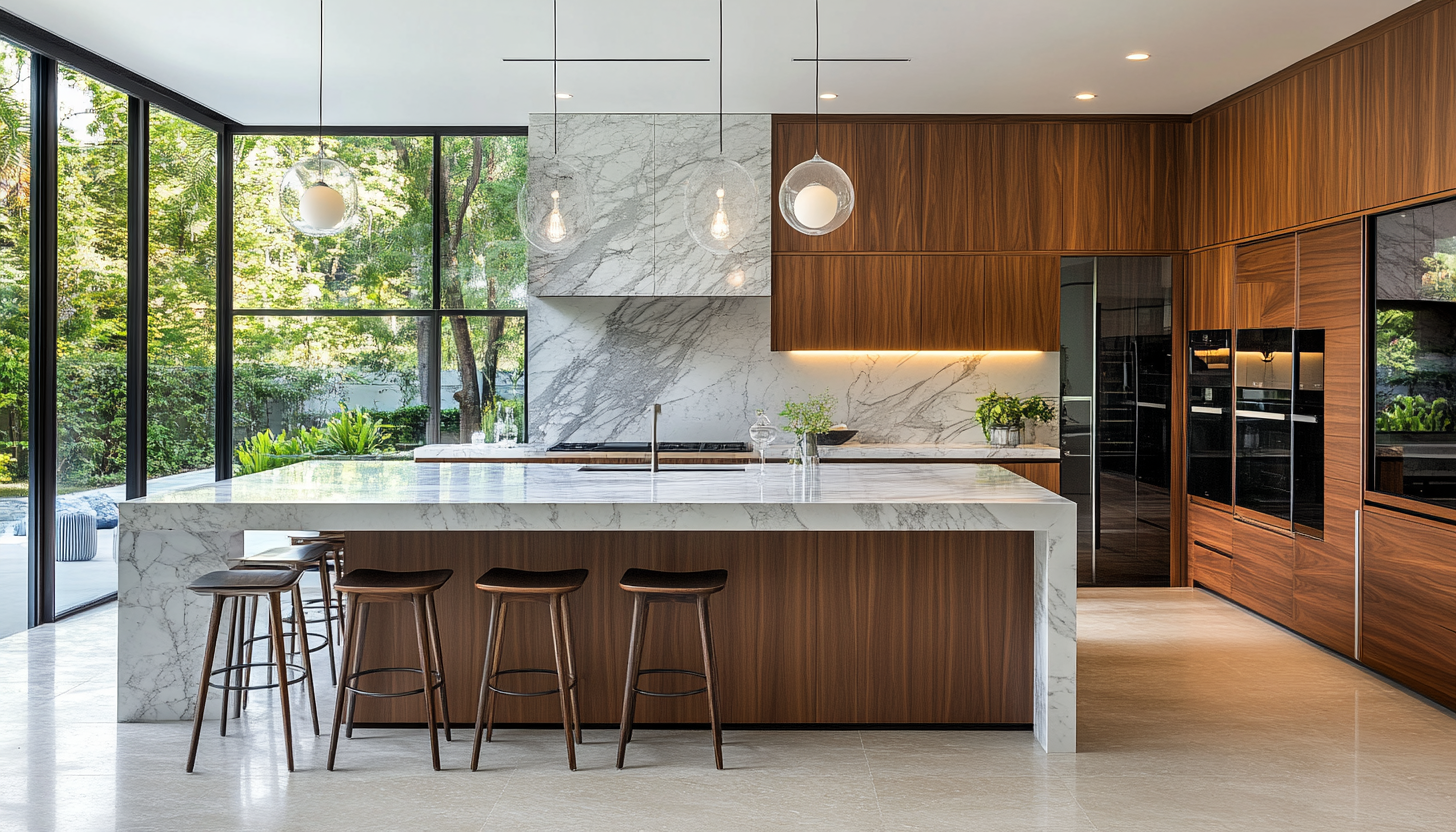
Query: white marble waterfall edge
<point x="169" y="540"/>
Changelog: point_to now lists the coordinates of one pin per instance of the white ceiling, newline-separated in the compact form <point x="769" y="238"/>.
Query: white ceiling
<point x="438" y="62"/>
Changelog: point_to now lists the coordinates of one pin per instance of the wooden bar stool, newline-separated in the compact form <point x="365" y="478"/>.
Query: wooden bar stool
<point x="364" y="588"/>
<point x="651" y="587"/>
<point x="335" y="558"/>
<point x="508" y="586"/>
<point x="238" y="584"/>
<point x="300" y="559"/>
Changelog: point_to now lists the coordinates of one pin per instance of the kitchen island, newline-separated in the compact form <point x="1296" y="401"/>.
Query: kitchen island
<point x="885" y="594"/>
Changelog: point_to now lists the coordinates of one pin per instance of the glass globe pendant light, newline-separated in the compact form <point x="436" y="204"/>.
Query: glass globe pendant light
<point x="721" y="198"/>
<point x="319" y="196"/>
<point x="816" y="197"/>
<point x="554" y="207"/>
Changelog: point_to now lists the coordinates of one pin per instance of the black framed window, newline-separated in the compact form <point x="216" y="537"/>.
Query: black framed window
<point x="15" y="334"/>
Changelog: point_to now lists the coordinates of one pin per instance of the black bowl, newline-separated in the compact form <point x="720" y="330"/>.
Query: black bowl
<point x="836" y="437"/>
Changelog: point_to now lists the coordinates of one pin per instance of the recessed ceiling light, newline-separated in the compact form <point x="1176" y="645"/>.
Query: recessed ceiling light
<point x="563" y="95"/>
<point x="1139" y="56"/>
<point x="1086" y="96"/>
<point x="828" y="96"/>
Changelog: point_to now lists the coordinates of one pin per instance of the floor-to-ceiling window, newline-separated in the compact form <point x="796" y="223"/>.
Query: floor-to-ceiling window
<point x="413" y="315"/>
<point x="181" y="302"/>
<point x="91" y="387"/>
<point x="14" y="333"/>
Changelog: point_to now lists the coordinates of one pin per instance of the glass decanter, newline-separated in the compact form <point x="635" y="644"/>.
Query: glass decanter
<point x="763" y="433"/>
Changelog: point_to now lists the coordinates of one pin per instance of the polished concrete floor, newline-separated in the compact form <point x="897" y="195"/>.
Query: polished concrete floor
<point x="1194" y="715"/>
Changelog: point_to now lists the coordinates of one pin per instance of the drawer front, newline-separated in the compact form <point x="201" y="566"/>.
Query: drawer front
<point x="1408" y="601"/>
<point x="1264" y="571"/>
<point x="1211" y="527"/>
<point x="1209" y="569"/>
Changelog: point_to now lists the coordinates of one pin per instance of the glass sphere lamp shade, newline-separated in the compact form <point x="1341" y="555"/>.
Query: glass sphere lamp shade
<point x="319" y="197"/>
<point x="720" y="204"/>
<point x="816" y="197"/>
<point x="554" y="208"/>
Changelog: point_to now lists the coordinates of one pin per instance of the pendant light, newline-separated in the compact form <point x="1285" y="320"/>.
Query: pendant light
<point x="319" y="196"/>
<point x="721" y="198"/>
<point x="554" y="207"/>
<point x="816" y="197"/>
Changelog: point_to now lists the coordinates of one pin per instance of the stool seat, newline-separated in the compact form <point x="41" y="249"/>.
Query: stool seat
<point x="393" y="583"/>
<point x="501" y="579"/>
<point x="674" y="583"/>
<point x="245" y="582"/>
<point x="286" y="557"/>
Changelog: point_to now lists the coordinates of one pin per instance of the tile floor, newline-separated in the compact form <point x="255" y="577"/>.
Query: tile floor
<point x="1194" y="715"/>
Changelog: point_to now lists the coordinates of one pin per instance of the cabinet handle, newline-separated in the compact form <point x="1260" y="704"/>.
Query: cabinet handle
<point x="1259" y="414"/>
<point x="1313" y="420"/>
<point x="1152" y="404"/>
<point x="1214" y="411"/>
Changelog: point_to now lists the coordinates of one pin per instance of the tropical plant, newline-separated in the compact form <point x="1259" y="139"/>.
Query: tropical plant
<point x="354" y="433"/>
<point x="6" y="463"/>
<point x="1003" y="410"/>
<point x="1415" y="415"/>
<point x="265" y="451"/>
<point x="811" y="416"/>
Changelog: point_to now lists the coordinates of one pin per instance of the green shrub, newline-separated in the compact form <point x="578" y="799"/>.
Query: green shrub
<point x="265" y="451"/>
<point x="1415" y="415"/>
<point x="354" y="433"/>
<point x="7" y="464"/>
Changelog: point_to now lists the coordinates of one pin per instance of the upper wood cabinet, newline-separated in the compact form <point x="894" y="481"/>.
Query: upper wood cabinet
<point x="994" y="186"/>
<point x="916" y="302"/>
<point x="1210" y="290"/>
<point x="1265" y="276"/>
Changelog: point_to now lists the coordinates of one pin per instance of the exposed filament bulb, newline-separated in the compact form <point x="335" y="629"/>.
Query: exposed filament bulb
<point x="720" y="229"/>
<point x="555" y="227"/>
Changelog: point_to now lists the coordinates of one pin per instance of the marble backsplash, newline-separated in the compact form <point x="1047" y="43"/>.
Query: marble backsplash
<point x="637" y="243"/>
<point x="597" y="363"/>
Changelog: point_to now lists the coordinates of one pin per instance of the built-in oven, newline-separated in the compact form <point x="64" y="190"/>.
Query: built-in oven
<point x="1211" y="415"/>
<point x="1263" y="404"/>
<point x="1308" y="427"/>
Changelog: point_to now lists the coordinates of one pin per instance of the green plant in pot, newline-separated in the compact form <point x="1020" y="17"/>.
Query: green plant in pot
<point x="807" y="420"/>
<point x="1002" y="417"/>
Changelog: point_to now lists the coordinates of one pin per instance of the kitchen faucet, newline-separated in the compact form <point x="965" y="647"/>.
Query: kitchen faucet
<point x="654" y="411"/>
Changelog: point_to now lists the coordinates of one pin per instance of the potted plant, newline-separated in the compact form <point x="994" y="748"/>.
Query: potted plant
<point x="1002" y="417"/>
<point x="807" y="420"/>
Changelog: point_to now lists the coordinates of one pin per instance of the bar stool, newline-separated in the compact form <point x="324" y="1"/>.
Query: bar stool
<point x="365" y="588"/>
<point x="507" y="586"/>
<point x="652" y="587"/>
<point x="335" y="558"/>
<point x="299" y="559"/>
<point x="237" y="585"/>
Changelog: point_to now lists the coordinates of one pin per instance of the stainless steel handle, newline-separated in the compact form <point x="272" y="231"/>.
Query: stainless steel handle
<point x="1152" y="404"/>
<point x="1259" y="414"/>
<point x="1213" y="411"/>
<point x="1076" y="398"/>
<point x="1313" y="420"/>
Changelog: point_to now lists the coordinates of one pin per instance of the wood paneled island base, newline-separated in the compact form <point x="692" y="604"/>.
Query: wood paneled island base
<point x="814" y="628"/>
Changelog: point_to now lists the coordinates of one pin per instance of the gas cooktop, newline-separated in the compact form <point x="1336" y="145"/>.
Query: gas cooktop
<point x="645" y="447"/>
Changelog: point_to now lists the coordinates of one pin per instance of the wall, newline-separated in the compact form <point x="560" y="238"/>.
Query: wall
<point x="596" y="363"/>
<point x="637" y="242"/>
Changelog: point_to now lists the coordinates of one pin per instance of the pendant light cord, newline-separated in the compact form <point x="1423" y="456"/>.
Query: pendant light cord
<point x="555" y="86"/>
<point x="321" y="91"/>
<point x="720" y="77"/>
<point x="816" y="77"/>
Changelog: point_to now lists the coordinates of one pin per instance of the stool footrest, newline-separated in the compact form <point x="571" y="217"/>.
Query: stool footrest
<point x="293" y="668"/>
<point x="505" y="692"/>
<point x="670" y="695"/>
<point x="345" y="682"/>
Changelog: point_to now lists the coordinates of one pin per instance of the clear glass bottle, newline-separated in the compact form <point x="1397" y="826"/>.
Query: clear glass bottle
<point x="762" y="432"/>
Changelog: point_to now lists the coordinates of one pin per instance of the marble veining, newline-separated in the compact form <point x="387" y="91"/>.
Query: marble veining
<point x="636" y="242"/>
<point x="168" y="540"/>
<point x="597" y="363"/>
<point x="779" y="450"/>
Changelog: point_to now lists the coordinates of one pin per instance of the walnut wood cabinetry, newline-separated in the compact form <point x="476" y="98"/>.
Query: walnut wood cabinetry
<point x="1210" y="548"/>
<point x="1408" y="601"/>
<point x="1210" y="289"/>
<point x="1264" y="275"/>
<point x="916" y="302"/>
<point x="1263" y="571"/>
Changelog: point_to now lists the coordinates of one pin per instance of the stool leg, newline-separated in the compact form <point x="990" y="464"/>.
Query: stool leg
<point x="563" y="690"/>
<point x="275" y="608"/>
<point x="227" y="677"/>
<point x="206" y="677"/>
<point x="248" y="671"/>
<point x="417" y="602"/>
<point x="495" y="659"/>
<point x="710" y="670"/>
<point x="634" y="664"/>
<point x="485" y="671"/>
<point x="361" y="608"/>
<point x="338" y="558"/>
<point x="346" y="690"/>
<point x="328" y="602"/>
<point x="570" y="664"/>
<point x="434" y="631"/>
<point x="302" y="628"/>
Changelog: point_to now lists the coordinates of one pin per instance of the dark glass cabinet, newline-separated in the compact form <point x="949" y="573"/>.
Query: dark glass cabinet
<point x="1211" y="415"/>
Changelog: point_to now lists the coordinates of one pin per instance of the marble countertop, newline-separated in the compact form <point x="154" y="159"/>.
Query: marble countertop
<point x="853" y="450"/>
<point x="401" y="495"/>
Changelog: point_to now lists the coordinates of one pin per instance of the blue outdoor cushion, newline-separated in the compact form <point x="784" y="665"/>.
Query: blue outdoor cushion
<point x="107" y="517"/>
<point x="76" y="504"/>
